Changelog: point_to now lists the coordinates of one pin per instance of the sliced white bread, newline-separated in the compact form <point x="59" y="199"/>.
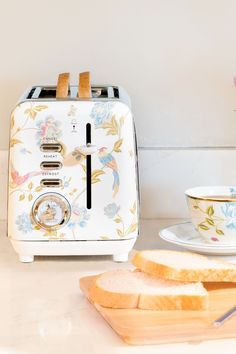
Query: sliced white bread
<point x="184" y="266"/>
<point x="135" y="289"/>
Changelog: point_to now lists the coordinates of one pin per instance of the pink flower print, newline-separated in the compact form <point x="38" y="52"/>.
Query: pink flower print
<point x="214" y="239"/>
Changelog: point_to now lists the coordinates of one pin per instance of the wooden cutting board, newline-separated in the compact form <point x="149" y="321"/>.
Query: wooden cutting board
<point x="137" y="326"/>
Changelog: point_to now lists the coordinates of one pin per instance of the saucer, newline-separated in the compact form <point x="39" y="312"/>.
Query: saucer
<point x="185" y="235"/>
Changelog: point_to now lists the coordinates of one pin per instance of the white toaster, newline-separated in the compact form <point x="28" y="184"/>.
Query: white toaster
<point x="73" y="173"/>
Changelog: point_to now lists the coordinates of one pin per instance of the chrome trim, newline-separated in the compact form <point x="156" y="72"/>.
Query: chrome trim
<point x="123" y="96"/>
<point x="211" y="199"/>
<point x="58" y="199"/>
<point x="96" y="91"/>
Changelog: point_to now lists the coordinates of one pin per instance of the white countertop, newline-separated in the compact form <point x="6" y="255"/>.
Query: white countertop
<point x="43" y="310"/>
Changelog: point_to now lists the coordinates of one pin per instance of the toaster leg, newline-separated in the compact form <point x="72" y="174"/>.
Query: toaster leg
<point x="26" y="259"/>
<point x="120" y="257"/>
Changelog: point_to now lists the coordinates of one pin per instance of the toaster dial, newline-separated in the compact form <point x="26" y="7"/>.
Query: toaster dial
<point x="51" y="211"/>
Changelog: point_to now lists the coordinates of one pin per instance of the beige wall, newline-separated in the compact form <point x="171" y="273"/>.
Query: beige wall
<point x="175" y="57"/>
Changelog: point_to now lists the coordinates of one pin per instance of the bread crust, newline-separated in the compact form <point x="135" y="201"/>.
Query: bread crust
<point x="186" y="275"/>
<point x="173" y="302"/>
<point x="114" y="300"/>
<point x="111" y="299"/>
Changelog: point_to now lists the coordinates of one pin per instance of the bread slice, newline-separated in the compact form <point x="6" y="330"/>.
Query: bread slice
<point x="184" y="266"/>
<point x="135" y="289"/>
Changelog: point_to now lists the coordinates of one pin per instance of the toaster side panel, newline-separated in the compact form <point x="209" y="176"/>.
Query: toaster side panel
<point x="114" y="197"/>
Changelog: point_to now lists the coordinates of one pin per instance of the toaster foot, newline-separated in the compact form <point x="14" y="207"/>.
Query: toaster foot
<point x="120" y="257"/>
<point x="26" y="259"/>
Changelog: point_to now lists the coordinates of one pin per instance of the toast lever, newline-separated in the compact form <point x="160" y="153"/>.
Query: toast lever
<point x="87" y="149"/>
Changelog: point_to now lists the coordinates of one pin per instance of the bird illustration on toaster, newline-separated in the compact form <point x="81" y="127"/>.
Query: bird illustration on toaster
<point x="108" y="160"/>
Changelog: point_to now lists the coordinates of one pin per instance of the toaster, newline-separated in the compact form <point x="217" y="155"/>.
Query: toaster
<point x="73" y="171"/>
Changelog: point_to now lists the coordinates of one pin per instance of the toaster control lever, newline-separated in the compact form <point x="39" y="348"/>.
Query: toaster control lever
<point x="87" y="149"/>
<point x="91" y="149"/>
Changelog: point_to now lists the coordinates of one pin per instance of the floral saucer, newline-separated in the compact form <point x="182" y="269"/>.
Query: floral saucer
<point x="185" y="235"/>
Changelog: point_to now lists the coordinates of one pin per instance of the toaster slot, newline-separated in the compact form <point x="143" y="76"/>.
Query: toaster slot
<point x="88" y="169"/>
<point x="49" y="92"/>
<point x="99" y="92"/>
<point x="105" y="92"/>
<point x="51" y="165"/>
<point x="50" y="182"/>
<point x="51" y="147"/>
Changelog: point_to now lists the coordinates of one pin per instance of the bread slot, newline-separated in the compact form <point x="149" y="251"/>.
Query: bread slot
<point x="50" y="182"/>
<point x="49" y="92"/>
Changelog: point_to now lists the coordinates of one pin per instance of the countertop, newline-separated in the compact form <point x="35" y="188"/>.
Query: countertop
<point x="44" y="311"/>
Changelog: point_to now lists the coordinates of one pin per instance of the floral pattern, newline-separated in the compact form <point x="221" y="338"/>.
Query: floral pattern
<point x="210" y="221"/>
<point x="48" y="129"/>
<point x="229" y="211"/>
<point x="79" y="216"/>
<point x="72" y="112"/>
<point x="214" y="219"/>
<point x="31" y="113"/>
<point x="24" y="223"/>
<point x="111" y="210"/>
<point x="232" y="191"/>
<point x="101" y="112"/>
<point x="24" y="151"/>
<point x="66" y="182"/>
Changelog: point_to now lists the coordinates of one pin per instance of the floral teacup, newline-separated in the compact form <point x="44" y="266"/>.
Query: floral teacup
<point x="213" y="213"/>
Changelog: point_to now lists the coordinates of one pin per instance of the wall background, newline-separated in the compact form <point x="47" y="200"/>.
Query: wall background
<point x="176" y="58"/>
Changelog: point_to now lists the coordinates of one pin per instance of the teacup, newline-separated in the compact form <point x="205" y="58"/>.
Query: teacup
<point x="213" y="213"/>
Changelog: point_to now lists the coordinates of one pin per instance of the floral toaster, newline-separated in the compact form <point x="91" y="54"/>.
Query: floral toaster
<point x="73" y="174"/>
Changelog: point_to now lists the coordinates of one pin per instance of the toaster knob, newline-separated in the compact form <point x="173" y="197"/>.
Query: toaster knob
<point x="51" y="211"/>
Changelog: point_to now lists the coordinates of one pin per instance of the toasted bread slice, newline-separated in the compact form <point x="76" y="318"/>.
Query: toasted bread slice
<point x="135" y="289"/>
<point x="184" y="266"/>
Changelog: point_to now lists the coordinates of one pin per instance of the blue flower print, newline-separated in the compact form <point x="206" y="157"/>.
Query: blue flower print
<point x="232" y="191"/>
<point x="24" y="151"/>
<point x="24" y="223"/>
<point x="71" y="225"/>
<point x="101" y="112"/>
<point x="111" y="210"/>
<point x="229" y="211"/>
<point x="82" y="223"/>
<point x="66" y="182"/>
